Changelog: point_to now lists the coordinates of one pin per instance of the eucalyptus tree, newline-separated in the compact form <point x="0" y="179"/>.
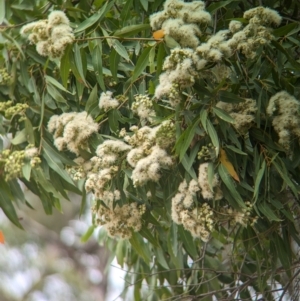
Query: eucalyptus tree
<point x="180" y="119"/>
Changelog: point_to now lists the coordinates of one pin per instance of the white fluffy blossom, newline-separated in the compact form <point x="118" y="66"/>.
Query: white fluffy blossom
<point x="198" y="220"/>
<point x="50" y="36"/>
<point x="284" y="110"/>
<point x="107" y="102"/>
<point x="209" y="193"/>
<point x="72" y="130"/>
<point x="120" y="221"/>
<point x="143" y="107"/>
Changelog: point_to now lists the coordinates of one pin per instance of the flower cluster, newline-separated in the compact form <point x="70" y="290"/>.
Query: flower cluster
<point x="197" y="220"/>
<point x="107" y="102"/>
<point x="284" y="108"/>
<point x="4" y="77"/>
<point x="243" y="113"/>
<point x="182" y="66"/>
<point x="149" y="152"/>
<point x="256" y="33"/>
<point x="104" y="167"/>
<point x="80" y="170"/>
<point x="243" y="217"/>
<point x="214" y="192"/>
<point x="72" y="130"/>
<point x="143" y="107"/>
<point x="11" y="110"/>
<point x="207" y="152"/>
<point x="181" y="20"/>
<point x="120" y="221"/>
<point x="51" y="36"/>
<point x="15" y="160"/>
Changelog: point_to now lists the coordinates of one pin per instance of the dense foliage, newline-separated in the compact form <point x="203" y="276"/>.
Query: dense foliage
<point x="188" y="141"/>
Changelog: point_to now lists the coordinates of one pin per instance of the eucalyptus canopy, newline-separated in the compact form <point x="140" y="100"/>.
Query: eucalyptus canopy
<point x="180" y="119"/>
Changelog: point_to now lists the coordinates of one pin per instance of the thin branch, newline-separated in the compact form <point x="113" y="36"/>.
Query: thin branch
<point x="118" y="38"/>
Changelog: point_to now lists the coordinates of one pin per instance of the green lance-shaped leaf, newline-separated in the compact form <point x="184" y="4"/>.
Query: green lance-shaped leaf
<point x="131" y="30"/>
<point x="227" y="180"/>
<point x="95" y="17"/>
<point x="114" y="59"/>
<point x="258" y="179"/>
<point x="266" y="210"/>
<point x="229" y="97"/>
<point x="286" y="30"/>
<point x="120" y="49"/>
<point x="6" y="204"/>
<point x="217" y="5"/>
<point x="85" y="237"/>
<point x="97" y="64"/>
<point x="54" y="82"/>
<point x="140" y="246"/>
<point x="79" y="62"/>
<point x="65" y="66"/>
<point x="93" y="100"/>
<point x="213" y="136"/>
<point x="223" y="115"/>
<point x="188" y="242"/>
<point x="141" y="64"/>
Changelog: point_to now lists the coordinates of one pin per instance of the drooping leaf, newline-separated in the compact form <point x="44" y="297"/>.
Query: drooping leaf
<point x="228" y="165"/>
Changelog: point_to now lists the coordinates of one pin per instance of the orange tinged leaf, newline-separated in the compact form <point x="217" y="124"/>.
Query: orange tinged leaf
<point x="228" y="165"/>
<point x="158" y="34"/>
<point x="2" y="240"/>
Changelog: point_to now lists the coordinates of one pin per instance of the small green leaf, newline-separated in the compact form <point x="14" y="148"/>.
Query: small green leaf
<point x="213" y="136"/>
<point x="65" y="66"/>
<point x="236" y="150"/>
<point x="223" y="115"/>
<point x="114" y="59"/>
<point x="217" y="5"/>
<point x="97" y="64"/>
<point x="203" y="118"/>
<point x="6" y="204"/>
<point x="95" y="17"/>
<point x="120" y="49"/>
<point x="227" y="180"/>
<point x="140" y="246"/>
<point x="113" y="120"/>
<point x="131" y="30"/>
<point x="93" y="100"/>
<point x="85" y="237"/>
<point x="265" y="209"/>
<point x="284" y="30"/>
<point x="54" y="82"/>
<point x="141" y="64"/>
<point x="258" y="179"/>
<point x="55" y="94"/>
<point x="188" y="242"/>
<point x="78" y="62"/>
<point x="19" y="138"/>
<point x="229" y="97"/>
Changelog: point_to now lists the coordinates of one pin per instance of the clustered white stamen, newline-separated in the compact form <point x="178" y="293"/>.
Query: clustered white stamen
<point x="149" y="153"/>
<point x="50" y="36"/>
<point x="183" y="65"/>
<point x="207" y="193"/>
<point x="143" y="107"/>
<point x="197" y="220"/>
<point x="284" y="109"/>
<point x="107" y="102"/>
<point x="243" y="113"/>
<point x="120" y="221"/>
<point x="72" y="130"/>
<point x="181" y="20"/>
<point x="104" y="168"/>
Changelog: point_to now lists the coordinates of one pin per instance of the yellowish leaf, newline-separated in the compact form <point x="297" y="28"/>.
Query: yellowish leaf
<point x="228" y="165"/>
<point x="2" y="239"/>
<point x="158" y="34"/>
